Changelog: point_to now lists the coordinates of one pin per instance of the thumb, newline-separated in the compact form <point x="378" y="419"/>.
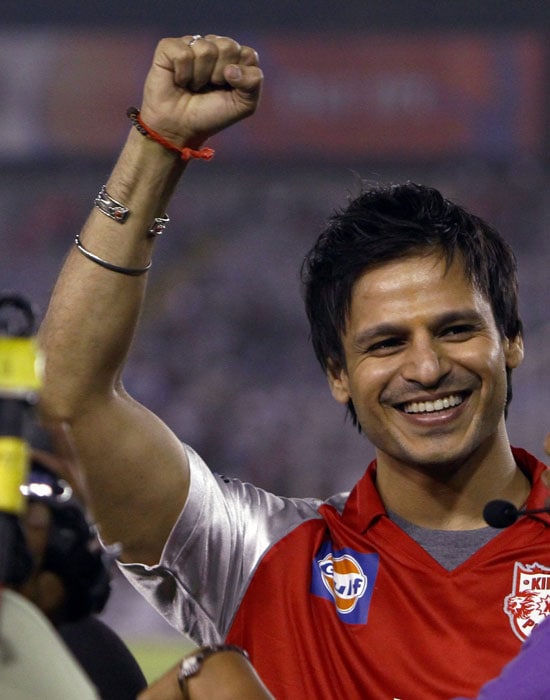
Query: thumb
<point x="233" y="74"/>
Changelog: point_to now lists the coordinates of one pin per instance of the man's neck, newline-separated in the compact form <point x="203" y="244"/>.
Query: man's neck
<point x="451" y="497"/>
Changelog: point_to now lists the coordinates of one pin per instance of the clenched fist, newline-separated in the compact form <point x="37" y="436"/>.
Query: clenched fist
<point x="198" y="86"/>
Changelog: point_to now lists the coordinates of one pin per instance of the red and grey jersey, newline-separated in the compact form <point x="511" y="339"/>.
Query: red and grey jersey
<point x="333" y="598"/>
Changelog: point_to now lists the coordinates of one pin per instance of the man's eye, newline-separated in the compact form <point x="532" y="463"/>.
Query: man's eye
<point x="459" y="330"/>
<point x="384" y="346"/>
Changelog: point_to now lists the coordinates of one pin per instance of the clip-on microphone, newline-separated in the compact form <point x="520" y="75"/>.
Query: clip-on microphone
<point x="502" y="514"/>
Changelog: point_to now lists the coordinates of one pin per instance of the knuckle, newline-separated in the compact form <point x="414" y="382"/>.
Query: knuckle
<point x="226" y="44"/>
<point x="163" y="46"/>
<point x="249" y="56"/>
<point x="204" y="49"/>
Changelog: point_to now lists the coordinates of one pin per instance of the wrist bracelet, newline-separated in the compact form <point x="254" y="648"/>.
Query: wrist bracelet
<point x="191" y="665"/>
<point x="110" y="207"/>
<point x="184" y="153"/>
<point x="158" y="225"/>
<point x="133" y="271"/>
<point x="119" y="212"/>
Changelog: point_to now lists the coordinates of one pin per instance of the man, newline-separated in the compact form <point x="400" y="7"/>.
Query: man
<point x="397" y="590"/>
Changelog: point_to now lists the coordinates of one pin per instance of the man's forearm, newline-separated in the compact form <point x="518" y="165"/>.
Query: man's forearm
<point x="93" y="311"/>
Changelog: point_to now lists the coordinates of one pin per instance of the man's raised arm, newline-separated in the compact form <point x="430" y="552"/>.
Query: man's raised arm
<point x="136" y="470"/>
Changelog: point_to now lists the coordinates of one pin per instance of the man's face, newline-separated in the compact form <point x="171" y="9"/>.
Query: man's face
<point x="425" y="364"/>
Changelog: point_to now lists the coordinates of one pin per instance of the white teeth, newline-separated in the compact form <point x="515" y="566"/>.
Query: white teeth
<point x="432" y="406"/>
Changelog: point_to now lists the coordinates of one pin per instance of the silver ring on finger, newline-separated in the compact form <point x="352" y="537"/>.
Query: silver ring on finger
<point x="194" y="38"/>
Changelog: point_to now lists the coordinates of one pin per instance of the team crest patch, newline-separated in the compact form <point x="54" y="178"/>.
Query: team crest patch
<point x="346" y="578"/>
<point x="529" y="602"/>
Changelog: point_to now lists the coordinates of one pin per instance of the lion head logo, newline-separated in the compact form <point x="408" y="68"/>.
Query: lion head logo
<point x="529" y="602"/>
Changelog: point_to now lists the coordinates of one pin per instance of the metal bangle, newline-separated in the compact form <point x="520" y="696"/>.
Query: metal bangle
<point x="133" y="271"/>
<point x="158" y="225"/>
<point x="119" y="212"/>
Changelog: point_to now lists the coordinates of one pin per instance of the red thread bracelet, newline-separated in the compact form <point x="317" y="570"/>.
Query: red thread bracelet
<point x="184" y="153"/>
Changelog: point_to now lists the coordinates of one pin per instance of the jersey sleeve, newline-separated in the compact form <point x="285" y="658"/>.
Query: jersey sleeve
<point x="223" y="531"/>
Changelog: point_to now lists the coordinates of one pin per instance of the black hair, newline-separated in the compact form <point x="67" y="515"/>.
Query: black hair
<point x="392" y="222"/>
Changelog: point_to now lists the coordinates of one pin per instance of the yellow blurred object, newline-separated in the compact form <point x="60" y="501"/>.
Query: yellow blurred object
<point x="14" y="459"/>
<point x="20" y="366"/>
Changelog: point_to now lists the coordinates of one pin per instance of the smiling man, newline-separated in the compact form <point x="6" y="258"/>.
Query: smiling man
<point x="395" y="590"/>
<point x="426" y="369"/>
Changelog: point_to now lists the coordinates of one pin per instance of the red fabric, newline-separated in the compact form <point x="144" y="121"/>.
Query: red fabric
<point x="430" y="634"/>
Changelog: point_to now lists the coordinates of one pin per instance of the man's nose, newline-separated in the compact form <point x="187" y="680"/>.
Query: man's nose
<point x="425" y="362"/>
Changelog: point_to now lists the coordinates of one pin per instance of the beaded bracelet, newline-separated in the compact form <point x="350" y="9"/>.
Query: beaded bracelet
<point x="184" y="153"/>
<point x="133" y="271"/>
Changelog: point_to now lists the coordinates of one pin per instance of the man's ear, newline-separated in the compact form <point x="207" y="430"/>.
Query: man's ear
<point x="338" y="382"/>
<point x="513" y="351"/>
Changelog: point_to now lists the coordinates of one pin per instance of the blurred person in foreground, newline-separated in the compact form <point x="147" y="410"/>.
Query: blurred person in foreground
<point x="398" y="589"/>
<point x="69" y="576"/>
<point x="34" y="662"/>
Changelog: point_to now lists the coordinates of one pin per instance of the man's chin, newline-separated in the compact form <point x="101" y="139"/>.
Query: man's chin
<point x="432" y="462"/>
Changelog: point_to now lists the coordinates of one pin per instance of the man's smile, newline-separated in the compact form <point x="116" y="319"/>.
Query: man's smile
<point x="428" y="406"/>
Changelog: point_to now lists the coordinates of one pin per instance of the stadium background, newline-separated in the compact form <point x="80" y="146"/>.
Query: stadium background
<point x="450" y="93"/>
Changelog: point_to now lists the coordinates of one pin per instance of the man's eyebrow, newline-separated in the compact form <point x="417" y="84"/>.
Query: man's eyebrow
<point x="384" y="330"/>
<point x="459" y="316"/>
<point x="381" y="330"/>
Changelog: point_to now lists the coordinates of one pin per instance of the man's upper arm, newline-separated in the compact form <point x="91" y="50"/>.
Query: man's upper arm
<point x="226" y="528"/>
<point x="136" y="474"/>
